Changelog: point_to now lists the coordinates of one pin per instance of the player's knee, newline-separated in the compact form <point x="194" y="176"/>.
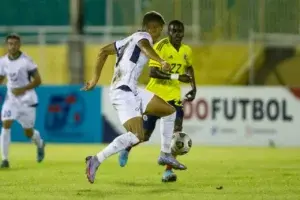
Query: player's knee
<point x="7" y="124"/>
<point x="135" y="126"/>
<point x="139" y="134"/>
<point x="28" y="132"/>
<point x="172" y="110"/>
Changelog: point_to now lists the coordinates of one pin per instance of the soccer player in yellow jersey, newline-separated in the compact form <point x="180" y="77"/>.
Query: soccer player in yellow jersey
<point x="167" y="85"/>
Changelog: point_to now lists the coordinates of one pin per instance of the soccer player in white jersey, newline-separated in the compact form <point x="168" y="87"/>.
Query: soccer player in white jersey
<point x="21" y="99"/>
<point x="129" y="101"/>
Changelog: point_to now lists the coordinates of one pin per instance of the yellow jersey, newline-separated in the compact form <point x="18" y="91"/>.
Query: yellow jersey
<point x="179" y="60"/>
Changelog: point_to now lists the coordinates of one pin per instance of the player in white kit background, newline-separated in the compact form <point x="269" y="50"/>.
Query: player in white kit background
<point x="130" y="101"/>
<point x="21" y="99"/>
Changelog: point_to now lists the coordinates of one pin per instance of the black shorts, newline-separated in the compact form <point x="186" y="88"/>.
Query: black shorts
<point x="150" y="120"/>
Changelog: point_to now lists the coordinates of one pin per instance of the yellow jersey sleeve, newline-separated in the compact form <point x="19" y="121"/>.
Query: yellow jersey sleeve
<point x="159" y="49"/>
<point x="189" y="56"/>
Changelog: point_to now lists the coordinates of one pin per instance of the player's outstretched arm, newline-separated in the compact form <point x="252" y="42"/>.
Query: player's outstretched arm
<point x="101" y="59"/>
<point x="147" y="49"/>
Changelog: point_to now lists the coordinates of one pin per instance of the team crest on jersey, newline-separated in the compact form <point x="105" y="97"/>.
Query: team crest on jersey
<point x="13" y="76"/>
<point x="145" y="118"/>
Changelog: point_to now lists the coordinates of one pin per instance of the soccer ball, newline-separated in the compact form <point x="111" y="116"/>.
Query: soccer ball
<point x="181" y="143"/>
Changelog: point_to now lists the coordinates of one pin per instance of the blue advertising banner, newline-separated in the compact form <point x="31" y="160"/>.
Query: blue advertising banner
<point x="65" y="114"/>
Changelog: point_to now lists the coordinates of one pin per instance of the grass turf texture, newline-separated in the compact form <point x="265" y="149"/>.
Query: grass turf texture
<point x="244" y="173"/>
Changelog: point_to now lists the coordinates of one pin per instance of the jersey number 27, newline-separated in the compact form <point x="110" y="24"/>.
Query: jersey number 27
<point x="175" y="68"/>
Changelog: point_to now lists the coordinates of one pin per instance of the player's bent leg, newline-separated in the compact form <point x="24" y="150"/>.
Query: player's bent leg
<point x="35" y="137"/>
<point x="133" y="136"/>
<point x="134" y="127"/>
<point x="26" y="118"/>
<point x="167" y="128"/>
<point x="124" y="154"/>
<point x="128" y="107"/>
<point x="149" y="123"/>
<point x="159" y="107"/>
<point x="5" y="142"/>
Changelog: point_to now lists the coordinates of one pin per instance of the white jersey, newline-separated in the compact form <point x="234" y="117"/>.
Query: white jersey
<point x="130" y="61"/>
<point x="18" y="73"/>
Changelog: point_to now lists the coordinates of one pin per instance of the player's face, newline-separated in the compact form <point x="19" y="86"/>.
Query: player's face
<point x="176" y="34"/>
<point x="154" y="29"/>
<point x="13" y="46"/>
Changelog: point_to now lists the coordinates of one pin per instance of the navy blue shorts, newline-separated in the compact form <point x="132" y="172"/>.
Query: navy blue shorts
<point x="150" y="122"/>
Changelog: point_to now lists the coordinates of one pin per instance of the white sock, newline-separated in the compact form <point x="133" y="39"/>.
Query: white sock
<point x="36" y="138"/>
<point x="118" y="144"/>
<point x="5" y="141"/>
<point x="166" y="131"/>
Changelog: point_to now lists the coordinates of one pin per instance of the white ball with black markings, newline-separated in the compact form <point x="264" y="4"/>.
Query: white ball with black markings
<point x="181" y="143"/>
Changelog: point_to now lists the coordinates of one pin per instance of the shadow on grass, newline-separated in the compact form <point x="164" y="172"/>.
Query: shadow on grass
<point x="13" y="169"/>
<point x="126" y="187"/>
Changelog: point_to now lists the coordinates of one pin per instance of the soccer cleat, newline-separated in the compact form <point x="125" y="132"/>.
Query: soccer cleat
<point x="4" y="164"/>
<point x="123" y="157"/>
<point x="41" y="153"/>
<point x="170" y="160"/>
<point x="92" y="165"/>
<point x="169" y="176"/>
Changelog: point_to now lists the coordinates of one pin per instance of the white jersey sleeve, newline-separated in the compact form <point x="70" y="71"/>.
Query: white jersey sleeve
<point x="130" y="60"/>
<point x="120" y="45"/>
<point x="31" y="66"/>
<point x="142" y="35"/>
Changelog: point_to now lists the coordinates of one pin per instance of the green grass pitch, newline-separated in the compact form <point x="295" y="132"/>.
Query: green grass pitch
<point x="244" y="173"/>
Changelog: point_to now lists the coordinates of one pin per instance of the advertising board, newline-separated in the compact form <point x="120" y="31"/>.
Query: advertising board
<point x="235" y="116"/>
<point x="65" y="114"/>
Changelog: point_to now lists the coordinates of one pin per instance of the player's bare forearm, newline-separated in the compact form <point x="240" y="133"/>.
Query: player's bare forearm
<point x="190" y="72"/>
<point x="147" y="49"/>
<point x="101" y="59"/>
<point x="37" y="81"/>
<point x="155" y="72"/>
<point x="32" y="85"/>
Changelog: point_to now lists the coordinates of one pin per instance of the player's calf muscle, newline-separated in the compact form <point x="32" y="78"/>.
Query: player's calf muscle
<point x="158" y="107"/>
<point x="135" y="126"/>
